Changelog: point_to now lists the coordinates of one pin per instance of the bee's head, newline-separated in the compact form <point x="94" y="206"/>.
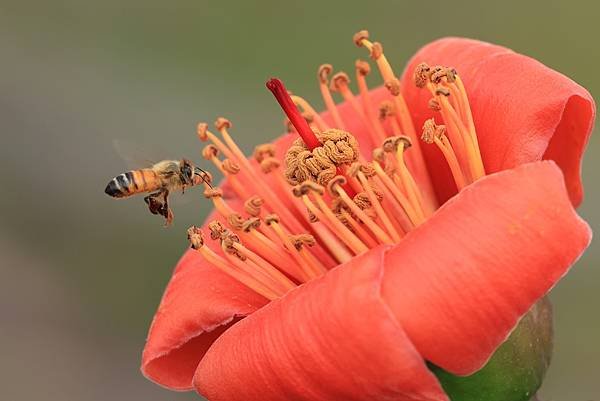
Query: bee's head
<point x="186" y="170"/>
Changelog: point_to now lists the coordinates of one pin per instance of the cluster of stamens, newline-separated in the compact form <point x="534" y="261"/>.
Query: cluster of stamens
<point x="322" y="203"/>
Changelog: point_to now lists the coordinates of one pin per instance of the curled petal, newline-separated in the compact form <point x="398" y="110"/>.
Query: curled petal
<point x="198" y="305"/>
<point x="523" y="111"/>
<point x="460" y="282"/>
<point x="331" y="339"/>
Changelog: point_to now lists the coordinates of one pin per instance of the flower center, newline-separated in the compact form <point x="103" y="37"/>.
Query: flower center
<point x="323" y="203"/>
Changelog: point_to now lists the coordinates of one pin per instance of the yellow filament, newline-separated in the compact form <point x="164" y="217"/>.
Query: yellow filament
<point x="267" y="268"/>
<point x="378" y="209"/>
<point x="368" y="107"/>
<point x="381" y="235"/>
<point x="406" y="205"/>
<point x="450" y="157"/>
<point x="307" y="270"/>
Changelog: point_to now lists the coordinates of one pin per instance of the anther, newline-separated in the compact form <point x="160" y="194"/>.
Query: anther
<point x="202" y="131"/>
<point x="438" y="73"/>
<point x="235" y="221"/>
<point x="216" y="229"/>
<point x="428" y="131"/>
<point x="264" y="150"/>
<point x="391" y="144"/>
<point x="195" y="237"/>
<point x="378" y="155"/>
<point x="302" y="240"/>
<point x="210" y="193"/>
<point x="393" y="86"/>
<point x="364" y="168"/>
<point x="442" y="91"/>
<point x="253" y="205"/>
<point x="228" y="242"/>
<point x="271" y="219"/>
<point x="230" y="167"/>
<point x="251" y="224"/>
<point x="362" y="67"/>
<point x="221" y="123"/>
<point x="421" y="75"/>
<point x="338" y="81"/>
<point x="209" y="151"/>
<point x="386" y="109"/>
<point x="338" y="180"/>
<point x="367" y="169"/>
<point x="376" y="51"/>
<point x="359" y="37"/>
<point x="307" y="187"/>
<point x="362" y="200"/>
<point x="434" y="105"/>
<point x="269" y="164"/>
<point x="451" y="75"/>
<point x="323" y="72"/>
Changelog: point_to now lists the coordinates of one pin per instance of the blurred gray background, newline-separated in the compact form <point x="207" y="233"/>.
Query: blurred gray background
<point x="82" y="273"/>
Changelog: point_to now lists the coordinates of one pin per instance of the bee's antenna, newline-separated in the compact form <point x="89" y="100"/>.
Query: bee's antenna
<point x="202" y="174"/>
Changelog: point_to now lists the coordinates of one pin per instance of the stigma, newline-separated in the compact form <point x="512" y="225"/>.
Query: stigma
<point x="322" y="202"/>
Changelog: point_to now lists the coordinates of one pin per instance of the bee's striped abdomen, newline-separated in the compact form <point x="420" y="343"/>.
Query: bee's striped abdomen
<point x="133" y="182"/>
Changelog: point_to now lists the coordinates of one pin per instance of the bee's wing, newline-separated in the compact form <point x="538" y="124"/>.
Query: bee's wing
<point x="138" y="155"/>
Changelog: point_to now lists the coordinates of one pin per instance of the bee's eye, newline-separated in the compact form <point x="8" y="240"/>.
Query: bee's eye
<point x="186" y="170"/>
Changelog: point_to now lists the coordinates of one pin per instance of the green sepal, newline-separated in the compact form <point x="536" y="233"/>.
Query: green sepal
<point x="516" y="370"/>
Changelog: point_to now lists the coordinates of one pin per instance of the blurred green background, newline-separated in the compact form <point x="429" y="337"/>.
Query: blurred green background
<point x="82" y="274"/>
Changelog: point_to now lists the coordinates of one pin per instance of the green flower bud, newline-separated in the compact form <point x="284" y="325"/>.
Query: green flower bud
<point x="516" y="370"/>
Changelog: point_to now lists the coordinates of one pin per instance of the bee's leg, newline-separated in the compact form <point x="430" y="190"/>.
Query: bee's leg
<point x="158" y="203"/>
<point x="166" y="211"/>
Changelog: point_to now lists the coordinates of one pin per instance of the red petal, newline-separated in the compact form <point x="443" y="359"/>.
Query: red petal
<point x="460" y="282"/>
<point x="523" y="110"/>
<point x="199" y="304"/>
<point x="331" y="339"/>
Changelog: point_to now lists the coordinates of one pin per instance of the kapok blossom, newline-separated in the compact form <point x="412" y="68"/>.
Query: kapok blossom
<point x="414" y="222"/>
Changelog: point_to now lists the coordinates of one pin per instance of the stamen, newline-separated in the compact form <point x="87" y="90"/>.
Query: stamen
<point x="397" y="146"/>
<point x="433" y="133"/>
<point x="266" y="267"/>
<point x="402" y="114"/>
<point x="346" y="218"/>
<point x="340" y="83"/>
<point x="406" y="205"/>
<point x="323" y="77"/>
<point x="252" y="205"/>
<point x="377" y="205"/>
<point x="451" y="100"/>
<point x="335" y="188"/>
<point x="308" y="270"/>
<point x="324" y="214"/>
<point x="197" y="243"/>
<point x="300" y="242"/>
<point x="367" y="203"/>
<point x="233" y="152"/>
<point x="362" y="70"/>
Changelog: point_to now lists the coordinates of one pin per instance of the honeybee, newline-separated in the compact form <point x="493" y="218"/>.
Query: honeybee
<point x="158" y="180"/>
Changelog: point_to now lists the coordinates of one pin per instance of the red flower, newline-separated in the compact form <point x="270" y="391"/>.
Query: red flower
<point x="449" y="292"/>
